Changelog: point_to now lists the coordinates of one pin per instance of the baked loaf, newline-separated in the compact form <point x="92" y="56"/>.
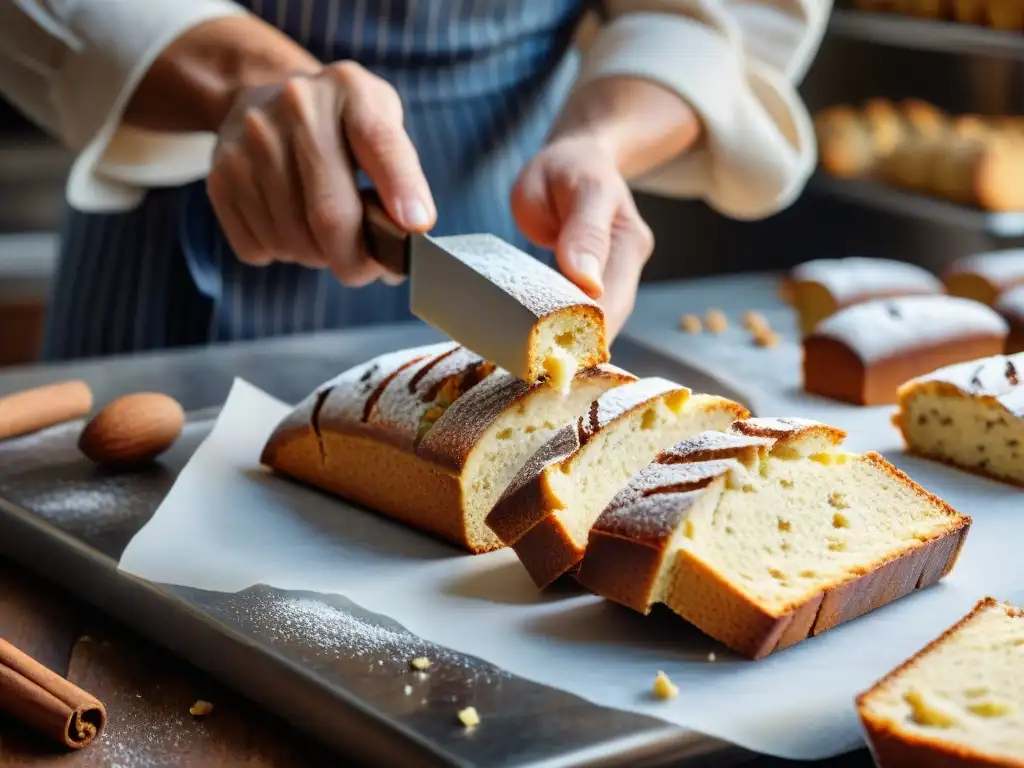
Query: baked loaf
<point x="959" y="702"/>
<point x="985" y="276"/>
<point x="1011" y="306"/>
<point x="862" y="354"/>
<point x="428" y="436"/>
<point x="968" y="159"/>
<point x="970" y="415"/>
<point x="997" y="14"/>
<point x="546" y="512"/>
<point x="768" y="534"/>
<point x="821" y="287"/>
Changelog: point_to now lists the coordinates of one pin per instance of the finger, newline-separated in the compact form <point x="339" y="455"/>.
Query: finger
<point x="585" y="238"/>
<point x="333" y="207"/>
<point x="372" y="124"/>
<point x="230" y="193"/>
<point x="630" y="250"/>
<point x="533" y="209"/>
<point x="278" y="185"/>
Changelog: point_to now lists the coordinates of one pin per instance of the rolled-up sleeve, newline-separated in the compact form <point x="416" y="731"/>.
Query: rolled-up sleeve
<point x="737" y="64"/>
<point x="72" y="65"/>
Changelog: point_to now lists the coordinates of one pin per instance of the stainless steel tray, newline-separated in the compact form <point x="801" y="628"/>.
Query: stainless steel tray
<point x="69" y="522"/>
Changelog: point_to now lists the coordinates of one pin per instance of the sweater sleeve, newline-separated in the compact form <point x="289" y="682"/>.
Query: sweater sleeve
<point x="72" y="66"/>
<point x="737" y="63"/>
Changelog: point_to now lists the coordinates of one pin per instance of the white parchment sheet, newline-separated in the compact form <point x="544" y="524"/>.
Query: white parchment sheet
<point x="227" y="524"/>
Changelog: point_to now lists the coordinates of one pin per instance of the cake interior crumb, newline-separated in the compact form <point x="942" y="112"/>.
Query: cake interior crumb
<point x="420" y="663"/>
<point x="201" y="708"/>
<point x="664" y="688"/>
<point x="469" y="717"/>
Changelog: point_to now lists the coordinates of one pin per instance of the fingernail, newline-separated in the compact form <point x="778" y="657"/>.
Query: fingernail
<point x="588" y="265"/>
<point x="416" y="214"/>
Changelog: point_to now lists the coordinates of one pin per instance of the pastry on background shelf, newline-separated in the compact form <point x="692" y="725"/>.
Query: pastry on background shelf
<point x="984" y="276"/>
<point x="864" y="353"/>
<point x="1011" y="306"/>
<point x="546" y="511"/>
<point x="769" y="534"/>
<point x="958" y="702"/>
<point x="1005" y="15"/>
<point x="969" y="415"/>
<point x="429" y="436"/>
<point x="821" y="287"/>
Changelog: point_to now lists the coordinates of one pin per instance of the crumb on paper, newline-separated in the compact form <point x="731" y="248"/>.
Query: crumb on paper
<point x="469" y="717"/>
<point x="663" y="687"/>
<point x="712" y="657"/>
<point x="420" y="663"/>
<point x="715" y="321"/>
<point x="408" y="690"/>
<point x="201" y="708"/>
<point x="690" y="324"/>
<point x="380" y="662"/>
<point x="755" y="322"/>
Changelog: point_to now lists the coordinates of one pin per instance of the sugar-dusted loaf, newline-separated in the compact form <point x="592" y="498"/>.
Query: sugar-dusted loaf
<point x="985" y="276"/>
<point x="546" y="512"/>
<point x="862" y="354"/>
<point x="821" y="287"/>
<point x="768" y="534"/>
<point x="429" y="436"/>
<point x="970" y="415"/>
<point x="1011" y="306"/>
<point x="957" y="703"/>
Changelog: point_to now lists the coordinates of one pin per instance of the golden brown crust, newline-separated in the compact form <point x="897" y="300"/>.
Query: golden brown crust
<point x="908" y="750"/>
<point x="788" y="430"/>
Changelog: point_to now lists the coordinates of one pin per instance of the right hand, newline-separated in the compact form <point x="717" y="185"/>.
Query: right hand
<point x="283" y="183"/>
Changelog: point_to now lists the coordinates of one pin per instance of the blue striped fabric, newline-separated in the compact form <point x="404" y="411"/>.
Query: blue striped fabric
<point x="481" y="81"/>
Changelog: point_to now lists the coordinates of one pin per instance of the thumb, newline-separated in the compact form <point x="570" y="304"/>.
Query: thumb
<point x="585" y="240"/>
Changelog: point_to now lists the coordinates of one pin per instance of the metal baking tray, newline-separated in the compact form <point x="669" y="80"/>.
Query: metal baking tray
<point x="925" y="34"/>
<point x="931" y="209"/>
<point x="69" y="522"/>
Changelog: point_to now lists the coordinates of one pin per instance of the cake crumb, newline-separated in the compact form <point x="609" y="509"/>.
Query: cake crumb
<point x="408" y="690"/>
<point x="715" y="321"/>
<point x="420" y="663"/>
<point x="690" y="324"/>
<point x="712" y="657"/>
<point x="663" y="687"/>
<point x="201" y="708"/>
<point x="469" y="717"/>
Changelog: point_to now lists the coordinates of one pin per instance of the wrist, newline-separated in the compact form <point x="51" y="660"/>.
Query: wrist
<point x="193" y="84"/>
<point x="639" y="123"/>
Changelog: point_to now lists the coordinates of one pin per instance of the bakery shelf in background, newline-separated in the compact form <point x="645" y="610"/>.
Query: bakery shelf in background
<point x="926" y="35"/>
<point x="928" y="209"/>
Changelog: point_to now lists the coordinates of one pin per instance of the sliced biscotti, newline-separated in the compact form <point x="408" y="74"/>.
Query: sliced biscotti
<point x="970" y="415"/>
<point x="862" y="354"/>
<point x="822" y="287"/>
<point x="769" y="534"/>
<point x="546" y="512"/>
<point x="429" y="436"/>
<point x="959" y="702"/>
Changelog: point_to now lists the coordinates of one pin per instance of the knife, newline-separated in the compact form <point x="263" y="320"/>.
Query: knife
<point x="492" y="298"/>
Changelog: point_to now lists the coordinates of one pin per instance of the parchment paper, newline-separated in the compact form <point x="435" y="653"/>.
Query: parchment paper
<point x="227" y="524"/>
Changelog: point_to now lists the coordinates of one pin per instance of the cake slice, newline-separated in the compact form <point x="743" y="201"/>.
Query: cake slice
<point x="546" y="511"/>
<point x="862" y="354"/>
<point x="959" y="702"/>
<point x="769" y="534"/>
<point x="984" y="276"/>
<point x="822" y="287"/>
<point x="429" y="436"/>
<point x="969" y="415"/>
<point x="1010" y="305"/>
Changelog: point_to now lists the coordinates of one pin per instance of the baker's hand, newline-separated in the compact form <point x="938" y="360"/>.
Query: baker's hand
<point x="283" y="182"/>
<point x="572" y="199"/>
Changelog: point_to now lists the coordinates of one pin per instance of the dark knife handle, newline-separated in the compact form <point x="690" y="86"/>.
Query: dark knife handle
<point x="386" y="242"/>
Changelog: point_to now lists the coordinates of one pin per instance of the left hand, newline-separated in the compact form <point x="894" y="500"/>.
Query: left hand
<point x="572" y="199"/>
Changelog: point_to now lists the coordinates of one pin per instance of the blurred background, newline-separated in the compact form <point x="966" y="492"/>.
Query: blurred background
<point x="893" y="51"/>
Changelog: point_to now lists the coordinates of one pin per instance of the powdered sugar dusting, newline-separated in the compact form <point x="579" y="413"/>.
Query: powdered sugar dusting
<point x="881" y="329"/>
<point x="1011" y="304"/>
<point x="710" y="444"/>
<point x="855" y="276"/>
<point x="999" y="267"/>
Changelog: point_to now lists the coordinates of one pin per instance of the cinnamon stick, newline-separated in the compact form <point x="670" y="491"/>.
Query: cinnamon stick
<point x="44" y="700"/>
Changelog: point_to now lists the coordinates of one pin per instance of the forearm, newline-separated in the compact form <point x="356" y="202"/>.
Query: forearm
<point x="642" y="124"/>
<point x="192" y="84"/>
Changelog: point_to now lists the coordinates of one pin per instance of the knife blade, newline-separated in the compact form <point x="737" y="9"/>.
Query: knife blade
<point x="490" y="297"/>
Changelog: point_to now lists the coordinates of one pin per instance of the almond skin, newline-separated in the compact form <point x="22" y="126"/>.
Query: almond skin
<point x="133" y="429"/>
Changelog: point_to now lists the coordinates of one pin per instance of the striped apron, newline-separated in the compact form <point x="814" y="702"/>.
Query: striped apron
<point x="481" y="82"/>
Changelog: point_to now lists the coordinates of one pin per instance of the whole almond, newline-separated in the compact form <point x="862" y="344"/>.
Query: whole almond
<point x="133" y="429"/>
